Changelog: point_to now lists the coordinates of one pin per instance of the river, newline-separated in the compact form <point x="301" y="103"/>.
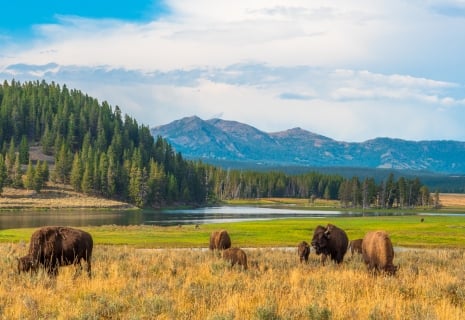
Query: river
<point x="79" y="218"/>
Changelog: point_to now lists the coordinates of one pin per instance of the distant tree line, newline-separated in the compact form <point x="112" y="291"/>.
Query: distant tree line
<point x="98" y="151"/>
<point x="389" y="193"/>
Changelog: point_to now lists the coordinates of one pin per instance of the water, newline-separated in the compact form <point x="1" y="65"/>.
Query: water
<point x="80" y="218"/>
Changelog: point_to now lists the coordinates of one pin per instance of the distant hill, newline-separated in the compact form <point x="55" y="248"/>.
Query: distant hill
<point x="217" y="141"/>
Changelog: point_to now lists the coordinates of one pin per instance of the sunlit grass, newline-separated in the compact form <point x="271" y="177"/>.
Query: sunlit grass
<point x="435" y="231"/>
<point x="131" y="283"/>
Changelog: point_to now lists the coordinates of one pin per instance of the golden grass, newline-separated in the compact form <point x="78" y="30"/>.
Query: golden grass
<point x="452" y="200"/>
<point x="131" y="283"/>
<point x="55" y="197"/>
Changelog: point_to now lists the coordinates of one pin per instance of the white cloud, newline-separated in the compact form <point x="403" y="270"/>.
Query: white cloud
<point x="215" y="33"/>
<point x="340" y="68"/>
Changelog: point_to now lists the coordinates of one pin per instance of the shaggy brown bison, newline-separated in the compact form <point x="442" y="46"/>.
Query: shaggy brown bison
<point x="378" y="252"/>
<point x="220" y="240"/>
<point x="355" y="246"/>
<point x="330" y="241"/>
<point x="303" y="250"/>
<point x="236" y="256"/>
<point x="51" y="247"/>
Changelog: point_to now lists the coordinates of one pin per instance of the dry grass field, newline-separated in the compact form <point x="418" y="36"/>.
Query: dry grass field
<point x="452" y="200"/>
<point x="131" y="283"/>
<point x="54" y="197"/>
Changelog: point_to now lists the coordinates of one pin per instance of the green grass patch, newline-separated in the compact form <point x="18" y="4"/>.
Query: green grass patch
<point x="435" y="231"/>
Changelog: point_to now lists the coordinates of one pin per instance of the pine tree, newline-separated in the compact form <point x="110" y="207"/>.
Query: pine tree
<point x="3" y="173"/>
<point x="102" y="172"/>
<point x="87" y="183"/>
<point x="63" y="165"/>
<point x="76" y="173"/>
<point x="17" y="173"/>
<point x="112" y="174"/>
<point x="40" y="175"/>
<point x="23" y="150"/>
<point x="134" y="185"/>
<point x="47" y="141"/>
<point x="29" y="178"/>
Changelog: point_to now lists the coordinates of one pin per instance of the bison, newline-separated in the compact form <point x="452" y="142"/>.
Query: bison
<point x="330" y="241"/>
<point x="378" y="252"/>
<point x="220" y="240"/>
<point x="235" y="256"/>
<point x="51" y="247"/>
<point x="355" y="246"/>
<point x="303" y="250"/>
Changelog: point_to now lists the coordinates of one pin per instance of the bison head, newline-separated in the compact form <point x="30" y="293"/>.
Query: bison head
<point x="320" y="239"/>
<point x="392" y="269"/>
<point x="26" y="264"/>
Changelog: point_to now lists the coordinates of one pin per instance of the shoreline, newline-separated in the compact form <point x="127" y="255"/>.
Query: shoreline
<point x="54" y="197"/>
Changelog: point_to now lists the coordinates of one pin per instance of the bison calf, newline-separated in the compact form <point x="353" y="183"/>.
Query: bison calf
<point x="355" y="246"/>
<point x="303" y="250"/>
<point x="220" y="240"/>
<point x="378" y="252"/>
<point x="236" y="256"/>
<point x="51" y="247"/>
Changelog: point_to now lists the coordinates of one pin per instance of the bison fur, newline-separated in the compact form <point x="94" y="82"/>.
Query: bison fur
<point x="235" y="256"/>
<point x="330" y="241"/>
<point x="220" y="240"/>
<point x="378" y="252"/>
<point x="51" y="247"/>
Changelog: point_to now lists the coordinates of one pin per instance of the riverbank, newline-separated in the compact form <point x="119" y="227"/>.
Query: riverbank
<point x="55" y="197"/>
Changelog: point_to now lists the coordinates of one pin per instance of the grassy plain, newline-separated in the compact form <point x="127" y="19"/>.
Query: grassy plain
<point x="405" y="231"/>
<point x="132" y="283"/>
<point x="150" y="272"/>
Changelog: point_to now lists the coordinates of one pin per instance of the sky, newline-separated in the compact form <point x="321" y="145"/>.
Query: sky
<point x="349" y="70"/>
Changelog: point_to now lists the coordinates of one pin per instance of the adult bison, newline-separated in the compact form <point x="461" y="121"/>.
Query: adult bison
<point x="220" y="240"/>
<point x="355" y="246"/>
<point x="303" y="250"/>
<point x="330" y="241"/>
<point x="378" y="252"/>
<point x="51" y="247"/>
<point x="236" y="256"/>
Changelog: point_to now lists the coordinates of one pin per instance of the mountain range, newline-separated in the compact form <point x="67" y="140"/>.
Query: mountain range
<point x="218" y="140"/>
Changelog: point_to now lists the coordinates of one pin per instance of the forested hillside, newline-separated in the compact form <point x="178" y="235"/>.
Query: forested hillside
<point x="99" y="151"/>
<point x="96" y="149"/>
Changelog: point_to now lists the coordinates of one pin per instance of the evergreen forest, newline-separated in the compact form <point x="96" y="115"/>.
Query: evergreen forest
<point x="99" y="151"/>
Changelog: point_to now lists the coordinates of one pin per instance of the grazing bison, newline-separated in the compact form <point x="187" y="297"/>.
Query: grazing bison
<point x="303" y="249"/>
<point x="355" y="246"/>
<point x="236" y="256"/>
<point x="220" y="240"/>
<point x="330" y="241"/>
<point x="51" y="247"/>
<point x="378" y="252"/>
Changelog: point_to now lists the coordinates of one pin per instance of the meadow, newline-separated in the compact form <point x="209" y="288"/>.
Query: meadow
<point x="133" y="283"/>
<point x="150" y="272"/>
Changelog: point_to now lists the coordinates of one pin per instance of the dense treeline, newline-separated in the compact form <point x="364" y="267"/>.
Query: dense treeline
<point x="389" y="193"/>
<point x="99" y="151"/>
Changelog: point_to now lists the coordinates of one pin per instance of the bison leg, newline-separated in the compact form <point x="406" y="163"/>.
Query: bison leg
<point x="89" y="268"/>
<point x="53" y="270"/>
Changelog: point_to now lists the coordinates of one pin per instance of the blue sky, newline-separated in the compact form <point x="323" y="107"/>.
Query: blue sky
<point x="350" y="70"/>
